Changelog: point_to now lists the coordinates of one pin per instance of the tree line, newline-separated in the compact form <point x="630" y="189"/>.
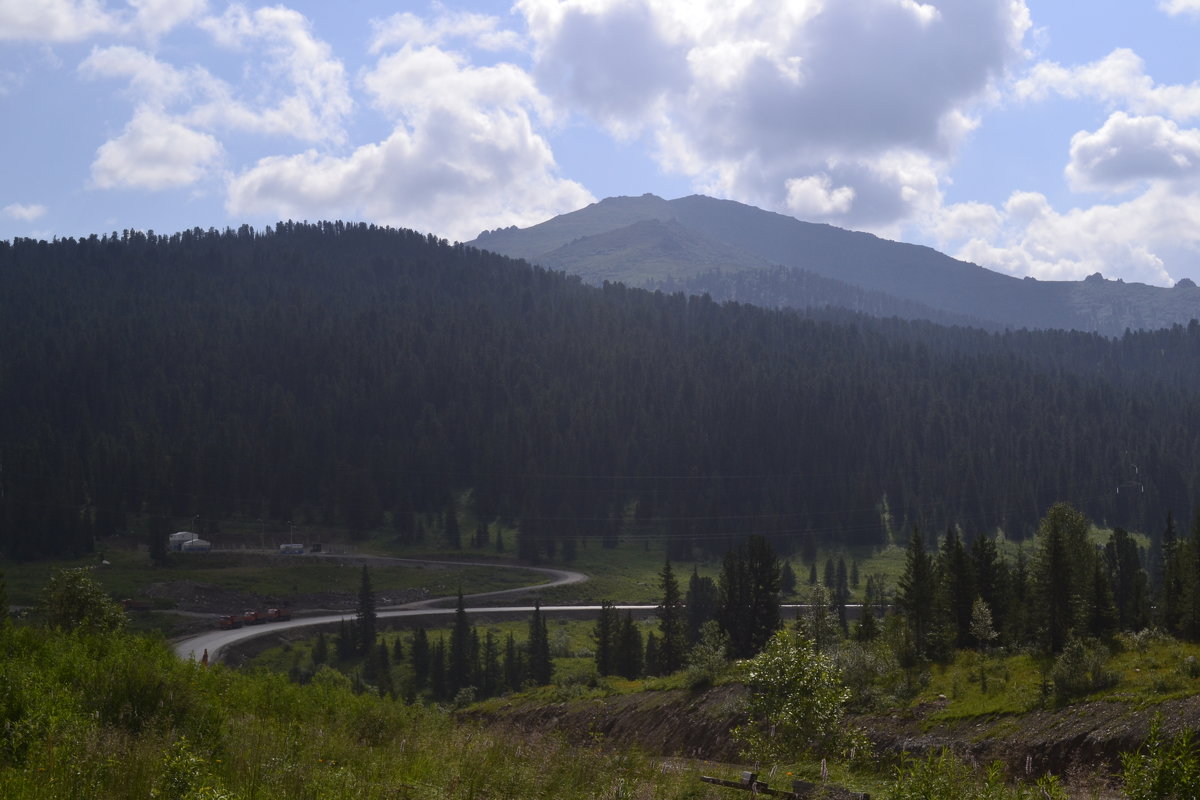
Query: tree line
<point x="348" y="377"/>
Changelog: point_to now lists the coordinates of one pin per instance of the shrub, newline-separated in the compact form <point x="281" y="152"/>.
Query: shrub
<point x="1081" y="669"/>
<point x="1164" y="769"/>
<point x="942" y="776"/>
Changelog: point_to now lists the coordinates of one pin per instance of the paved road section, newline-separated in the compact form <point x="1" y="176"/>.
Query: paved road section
<point x="193" y="647"/>
<point x="215" y="642"/>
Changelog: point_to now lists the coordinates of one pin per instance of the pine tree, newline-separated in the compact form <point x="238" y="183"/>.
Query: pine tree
<point x="458" y="669"/>
<point x="957" y="580"/>
<point x="629" y="664"/>
<point x="541" y="668"/>
<point x="489" y="684"/>
<point x="320" y="651"/>
<point x="915" y="593"/>
<point x="1170" y="600"/>
<point x="749" y="596"/>
<point x="787" y="579"/>
<point x="605" y="637"/>
<point x="420" y="655"/>
<point x="365" y="616"/>
<point x="438" y="685"/>
<point x="701" y="603"/>
<point x="671" y="624"/>
<point x="514" y="669"/>
<point x="1062" y="574"/>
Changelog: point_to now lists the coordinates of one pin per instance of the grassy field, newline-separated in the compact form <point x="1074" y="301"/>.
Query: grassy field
<point x="130" y="574"/>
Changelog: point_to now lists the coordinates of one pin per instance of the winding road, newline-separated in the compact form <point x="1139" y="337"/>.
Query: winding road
<point x="216" y="641"/>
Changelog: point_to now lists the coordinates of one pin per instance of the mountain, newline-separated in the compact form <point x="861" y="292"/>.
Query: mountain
<point x="698" y="243"/>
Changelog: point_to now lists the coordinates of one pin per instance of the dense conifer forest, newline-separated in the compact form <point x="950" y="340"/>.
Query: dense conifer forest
<point x="351" y="376"/>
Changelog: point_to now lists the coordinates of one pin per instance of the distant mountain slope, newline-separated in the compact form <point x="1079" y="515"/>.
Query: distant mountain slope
<point x="646" y="240"/>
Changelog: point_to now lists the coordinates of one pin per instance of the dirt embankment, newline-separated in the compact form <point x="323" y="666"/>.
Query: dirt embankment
<point x="1083" y="738"/>
<point x="669" y="723"/>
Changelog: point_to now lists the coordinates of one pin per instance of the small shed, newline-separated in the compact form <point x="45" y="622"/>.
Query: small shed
<point x="196" y="545"/>
<point x="291" y="549"/>
<point x="180" y="538"/>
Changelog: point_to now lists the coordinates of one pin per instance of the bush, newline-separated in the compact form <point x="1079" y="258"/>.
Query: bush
<point x="942" y="776"/>
<point x="1080" y="670"/>
<point x="796" y="702"/>
<point x="1164" y="769"/>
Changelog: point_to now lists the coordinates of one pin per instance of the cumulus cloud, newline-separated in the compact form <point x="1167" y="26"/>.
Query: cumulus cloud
<point x="759" y="101"/>
<point x="154" y="152"/>
<point x="1138" y="239"/>
<point x="23" y="212"/>
<point x="55" y="20"/>
<point x="1119" y="80"/>
<point x="463" y="156"/>
<point x="1128" y="151"/>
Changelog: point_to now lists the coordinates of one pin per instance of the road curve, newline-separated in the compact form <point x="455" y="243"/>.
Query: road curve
<point x="214" y="642"/>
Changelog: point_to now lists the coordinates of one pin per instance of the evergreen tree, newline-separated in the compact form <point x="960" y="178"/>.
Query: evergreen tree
<point x="320" y="651"/>
<point x="397" y="650"/>
<point x="812" y="574"/>
<point x="605" y="637"/>
<point x="438" y="686"/>
<point x="650" y="661"/>
<point x="458" y="670"/>
<point x="991" y="579"/>
<point x="514" y="669"/>
<point x="629" y="659"/>
<point x="749" y="596"/>
<point x="481" y="535"/>
<point x="420" y="655"/>
<point x="1062" y="575"/>
<point x="916" y="593"/>
<point x="787" y="579"/>
<point x="347" y="641"/>
<point x="489" y="684"/>
<point x="541" y="668"/>
<point x="1129" y="582"/>
<point x="383" y="680"/>
<point x="702" y="601"/>
<point x="1170" y="595"/>
<point x="365" y="616"/>
<point x="957" y="579"/>
<point x="672" y="628"/>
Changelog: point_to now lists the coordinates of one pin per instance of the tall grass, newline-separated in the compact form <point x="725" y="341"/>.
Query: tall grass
<point x="117" y="717"/>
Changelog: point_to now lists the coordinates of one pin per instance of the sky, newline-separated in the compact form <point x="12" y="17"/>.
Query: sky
<point x="1042" y="138"/>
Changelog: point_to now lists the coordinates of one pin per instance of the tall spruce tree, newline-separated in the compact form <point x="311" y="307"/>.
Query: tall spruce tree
<point x="541" y="668"/>
<point x="701" y="602"/>
<point x="459" y="663"/>
<point x="749" y="596"/>
<point x="629" y="652"/>
<point x="916" y="592"/>
<point x="605" y="637"/>
<point x="419" y="653"/>
<point x="672" y="627"/>
<point x="1062" y="575"/>
<point x="365" y="616"/>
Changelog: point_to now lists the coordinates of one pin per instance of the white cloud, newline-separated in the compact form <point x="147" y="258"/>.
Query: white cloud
<point x="154" y="152"/>
<point x="463" y="157"/>
<point x="753" y="100"/>
<point x="1137" y="240"/>
<point x="479" y="30"/>
<point x="1119" y="80"/>
<point x="1174" y="7"/>
<point x="55" y="20"/>
<point x="23" y="212"/>
<point x="815" y="196"/>
<point x="319" y="100"/>
<point x="156" y="17"/>
<point x="1128" y="151"/>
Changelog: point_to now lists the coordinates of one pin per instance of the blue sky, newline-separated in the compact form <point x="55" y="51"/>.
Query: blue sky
<point x="1034" y="137"/>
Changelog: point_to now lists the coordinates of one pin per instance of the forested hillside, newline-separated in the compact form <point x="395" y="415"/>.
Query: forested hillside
<point x="348" y="376"/>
